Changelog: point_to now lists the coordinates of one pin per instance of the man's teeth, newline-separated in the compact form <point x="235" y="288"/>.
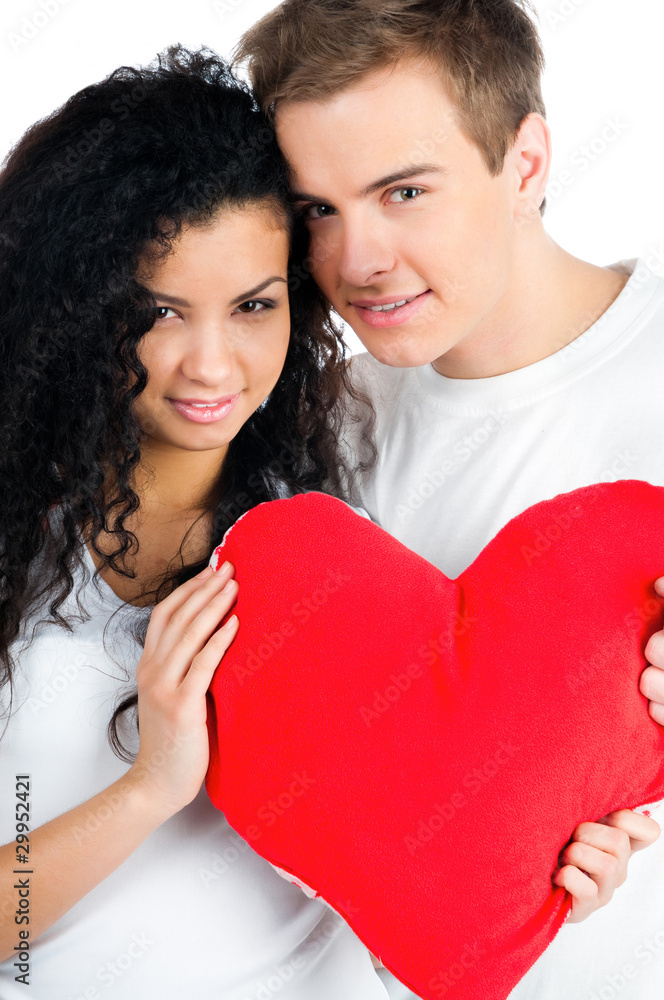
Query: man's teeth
<point x="392" y="305"/>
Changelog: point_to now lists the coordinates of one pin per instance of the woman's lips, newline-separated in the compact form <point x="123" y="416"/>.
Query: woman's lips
<point x="201" y="412"/>
<point x="392" y="317"/>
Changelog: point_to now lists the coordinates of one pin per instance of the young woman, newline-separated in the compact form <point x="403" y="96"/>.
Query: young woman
<point x="155" y="384"/>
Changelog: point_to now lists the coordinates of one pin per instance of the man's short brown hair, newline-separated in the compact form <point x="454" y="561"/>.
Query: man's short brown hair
<point x="489" y="53"/>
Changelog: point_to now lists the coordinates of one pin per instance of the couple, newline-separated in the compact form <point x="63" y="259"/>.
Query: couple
<point x="169" y="363"/>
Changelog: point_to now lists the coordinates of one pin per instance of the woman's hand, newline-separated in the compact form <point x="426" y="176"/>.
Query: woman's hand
<point x="595" y="863"/>
<point x="183" y="647"/>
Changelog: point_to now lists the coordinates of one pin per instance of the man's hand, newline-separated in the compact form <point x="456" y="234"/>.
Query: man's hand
<point x="651" y="684"/>
<point x="595" y="863"/>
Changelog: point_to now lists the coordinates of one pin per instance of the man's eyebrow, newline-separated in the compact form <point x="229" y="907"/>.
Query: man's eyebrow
<point x="401" y="174"/>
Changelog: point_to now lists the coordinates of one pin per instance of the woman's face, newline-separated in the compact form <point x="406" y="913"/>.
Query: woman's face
<point x="219" y="342"/>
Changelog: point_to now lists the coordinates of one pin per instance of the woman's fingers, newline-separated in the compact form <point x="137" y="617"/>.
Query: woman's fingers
<point x="205" y="663"/>
<point x="190" y="640"/>
<point x="173" y="677"/>
<point x="163" y="612"/>
<point x="181" y="629"/>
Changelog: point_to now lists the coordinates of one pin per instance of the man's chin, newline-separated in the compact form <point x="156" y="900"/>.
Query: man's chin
<point x="401" y="355"/>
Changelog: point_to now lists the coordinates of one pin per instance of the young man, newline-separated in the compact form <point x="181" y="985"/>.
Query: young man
<point x="503" y="370"/>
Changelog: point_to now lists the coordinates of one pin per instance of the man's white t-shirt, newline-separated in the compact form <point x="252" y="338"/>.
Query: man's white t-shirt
<point x="193" y="912"/>
<point x="458" y="459"/>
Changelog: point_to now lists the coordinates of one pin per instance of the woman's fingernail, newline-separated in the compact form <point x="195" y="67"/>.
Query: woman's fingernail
<point x="206" y="572"/>
<point x="229" y="586"/>
<point x="223" y="567"/>
<point x="231" y="623"/>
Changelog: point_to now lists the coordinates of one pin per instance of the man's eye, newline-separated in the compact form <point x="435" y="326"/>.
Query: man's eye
<point x="252" y="306"/>
<point x="319" y="212"/>
<point x="405" y="194"/>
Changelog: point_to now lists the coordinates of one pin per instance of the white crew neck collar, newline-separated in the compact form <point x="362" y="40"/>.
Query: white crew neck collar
<point x="611" y="332"/>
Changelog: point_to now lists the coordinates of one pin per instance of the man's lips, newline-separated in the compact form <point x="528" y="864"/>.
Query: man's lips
<point x="400" y="309"/>
<point x="201" y="411"/>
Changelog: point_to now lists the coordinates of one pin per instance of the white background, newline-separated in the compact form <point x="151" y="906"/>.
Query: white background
<point x="604" y="75"/>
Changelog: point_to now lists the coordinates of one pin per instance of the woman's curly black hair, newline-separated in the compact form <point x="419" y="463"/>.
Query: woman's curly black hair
<point x="118" y="170"/>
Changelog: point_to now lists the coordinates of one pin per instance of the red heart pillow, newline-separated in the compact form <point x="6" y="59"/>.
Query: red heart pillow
<point x="419" y="750"/>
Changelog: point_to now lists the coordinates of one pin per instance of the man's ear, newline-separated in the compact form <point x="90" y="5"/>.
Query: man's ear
<point x="530" y="162"/>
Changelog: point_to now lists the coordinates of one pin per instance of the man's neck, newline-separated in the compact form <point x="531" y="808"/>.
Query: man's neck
<point x="553" y="298"/>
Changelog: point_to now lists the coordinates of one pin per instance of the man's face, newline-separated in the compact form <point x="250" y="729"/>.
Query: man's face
<point x="400" y="206"/>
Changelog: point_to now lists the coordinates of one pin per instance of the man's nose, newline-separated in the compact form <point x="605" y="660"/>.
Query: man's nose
<point x="366" y="253"/>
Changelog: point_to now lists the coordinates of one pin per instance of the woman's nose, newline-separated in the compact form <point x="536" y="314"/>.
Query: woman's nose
<point x="208" y="358"/>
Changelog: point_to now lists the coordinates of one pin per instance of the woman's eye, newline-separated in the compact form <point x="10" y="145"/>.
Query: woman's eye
<point x="161" y="312"/>
<point x="252" y="306"/>
<point x="405" y="194"/>
<point x="319" y="212"/>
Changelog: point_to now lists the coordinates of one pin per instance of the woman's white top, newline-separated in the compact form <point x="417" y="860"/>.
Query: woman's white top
<point x="193" y="912"/>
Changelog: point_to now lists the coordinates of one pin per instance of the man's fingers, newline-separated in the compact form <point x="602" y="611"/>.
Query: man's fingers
<point x="607" y="869"/>
<point x="651" y="684"/>
<point x="605" y="836"/>
<point x="655" y="650"/>
<point x="582" y="889"/>
<point x="641" y="830"/>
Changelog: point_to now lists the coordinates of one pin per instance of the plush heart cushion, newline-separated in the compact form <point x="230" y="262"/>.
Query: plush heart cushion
<point x="419" y="750"/>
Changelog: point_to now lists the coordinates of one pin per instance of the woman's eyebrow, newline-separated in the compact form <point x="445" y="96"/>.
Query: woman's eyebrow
<point x="257" y="290"/>
<point x="171" y="300"/>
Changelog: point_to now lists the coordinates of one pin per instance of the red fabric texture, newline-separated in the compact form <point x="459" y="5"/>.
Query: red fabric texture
<point x="419" y="750"/>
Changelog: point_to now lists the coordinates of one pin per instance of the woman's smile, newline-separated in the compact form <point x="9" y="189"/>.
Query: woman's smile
<point x="202" y="412"/>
